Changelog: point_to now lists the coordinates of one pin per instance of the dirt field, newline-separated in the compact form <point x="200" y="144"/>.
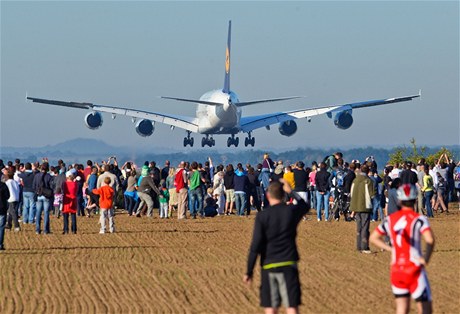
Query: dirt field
<point x="196" y="266"/>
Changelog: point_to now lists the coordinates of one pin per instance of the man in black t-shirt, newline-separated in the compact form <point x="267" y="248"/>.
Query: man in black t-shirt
<point x="301" y="181"/>
<point x="274" y="239"/>
<point x="408" y="176"/>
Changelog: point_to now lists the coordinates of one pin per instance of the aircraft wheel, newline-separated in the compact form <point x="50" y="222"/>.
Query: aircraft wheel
<point x="185" y="142"/>
<point x="246" y="142"/>
<point x="237" y="141"/>
<point x="203" y="142"/>
<point x="191" y="142"/>
<point x="229" y="142"/>
<point x="253" y="141"/>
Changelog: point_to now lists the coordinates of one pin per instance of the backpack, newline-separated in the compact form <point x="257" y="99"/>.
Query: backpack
<point x="327" y="159"/>
<point x="441" y="184"/>
<point x="339" y="176"/>
<point x="179" y="180"/>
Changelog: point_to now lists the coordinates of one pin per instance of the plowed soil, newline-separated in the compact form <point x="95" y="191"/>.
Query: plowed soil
<point x="196" y="266"/>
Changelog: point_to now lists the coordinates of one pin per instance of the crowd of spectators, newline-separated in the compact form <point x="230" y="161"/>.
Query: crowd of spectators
<point x="30" y="192"/>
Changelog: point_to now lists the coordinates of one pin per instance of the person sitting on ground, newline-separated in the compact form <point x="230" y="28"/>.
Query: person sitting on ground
<point x="210" y="202"/>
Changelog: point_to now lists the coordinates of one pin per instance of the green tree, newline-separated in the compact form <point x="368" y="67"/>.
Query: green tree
<point x="414" y="154"/>
<point x="433" y="158"/>
<point x="398" y="155"/>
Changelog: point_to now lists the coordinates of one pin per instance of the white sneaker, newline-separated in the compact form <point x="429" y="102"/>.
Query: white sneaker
<point x="319" y="219"/>
<point x="366" y="251"/>
<point x="101" y="232"/>
<point x="17" y="229"/>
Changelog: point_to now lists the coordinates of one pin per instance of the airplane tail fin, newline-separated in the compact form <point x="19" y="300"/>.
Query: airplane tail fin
<point x="226" y="88"/>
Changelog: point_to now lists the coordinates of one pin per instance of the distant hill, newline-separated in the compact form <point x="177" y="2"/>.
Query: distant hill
<point x="81" y="149"/>
<point x="75" y="148"/>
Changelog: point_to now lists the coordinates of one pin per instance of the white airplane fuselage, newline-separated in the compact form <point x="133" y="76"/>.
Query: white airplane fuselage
<point x="219" y="119"/>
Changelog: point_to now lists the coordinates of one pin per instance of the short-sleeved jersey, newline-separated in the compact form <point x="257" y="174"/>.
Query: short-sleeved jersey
<point x="404" y="228"/>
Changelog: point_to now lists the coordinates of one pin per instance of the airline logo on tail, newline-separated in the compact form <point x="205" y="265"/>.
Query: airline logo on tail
<point x="227" y="61"/>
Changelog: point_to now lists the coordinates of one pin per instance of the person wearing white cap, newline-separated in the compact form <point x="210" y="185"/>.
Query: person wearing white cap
<point x="405" y="229"/>
<point x="69" y="208"/>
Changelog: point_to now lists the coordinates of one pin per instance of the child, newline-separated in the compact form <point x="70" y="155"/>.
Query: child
<point x="106" y="194"/>
<point x="57" y="203"/>
<point x="164" y="200"/>
<point x="210" y="209"/>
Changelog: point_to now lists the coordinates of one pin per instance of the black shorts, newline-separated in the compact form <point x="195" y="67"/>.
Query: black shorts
<point x="280" y="285"/>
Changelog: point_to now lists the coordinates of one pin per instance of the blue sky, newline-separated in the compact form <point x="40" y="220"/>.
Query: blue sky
<point x="128" y="53"/>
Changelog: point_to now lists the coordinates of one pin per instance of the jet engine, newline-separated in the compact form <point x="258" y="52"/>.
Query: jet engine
<point x="288" y="128"/>
<point x="343" y="120"/>
<point x="93" y="120"/>
<point x="144" y="128"/>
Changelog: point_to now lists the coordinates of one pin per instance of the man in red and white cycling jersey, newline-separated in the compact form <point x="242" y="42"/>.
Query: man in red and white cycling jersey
<point x="405" y="229"/>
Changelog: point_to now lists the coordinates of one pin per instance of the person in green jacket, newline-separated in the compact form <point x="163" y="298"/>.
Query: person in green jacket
<point x="362" y="192"/>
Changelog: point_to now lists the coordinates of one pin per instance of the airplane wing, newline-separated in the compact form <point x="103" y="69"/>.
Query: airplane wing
<point x="186" y="123"/>
<point x="253" y="102"/>
<point x="195" y="101"/>
<point x="251" y="123"/>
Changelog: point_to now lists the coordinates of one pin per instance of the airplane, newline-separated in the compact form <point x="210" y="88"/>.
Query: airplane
<point x="220" y="112"/>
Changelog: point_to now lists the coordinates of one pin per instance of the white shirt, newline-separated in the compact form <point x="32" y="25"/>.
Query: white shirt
<point x="13" y="188"/>
<point x="16" y="177"/>
<point x="395" y="173"/>
<point x="434" y="176"/>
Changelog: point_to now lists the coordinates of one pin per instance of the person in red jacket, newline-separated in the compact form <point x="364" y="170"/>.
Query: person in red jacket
<point x="106" y="193"/>
<point x="69" y="205"/>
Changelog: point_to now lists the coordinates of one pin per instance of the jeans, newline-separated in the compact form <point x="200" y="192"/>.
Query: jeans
<point x="428" y="197"/>
<point x="164" y="206"/>
<point x="376" y="208"/>
<point x="43" y="204"/>
<point x="313" y="196"/>
<point x="255" y="198"/>
<point x="28" y="213"/>
<point x="80" y="205"/>
<point x="240" y="203"/>
<point x="12" y="218"/>
<point x="362" y="230"/>
<point x="322" y="200"/>
<point x="66" y="222"/>
<point x="130" y="204"/>
<point x="2" y="229"/>
<point x="196" y="201"/>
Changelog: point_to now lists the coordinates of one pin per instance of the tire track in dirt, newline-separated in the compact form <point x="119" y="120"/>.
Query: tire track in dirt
<point x="196" y="266"/>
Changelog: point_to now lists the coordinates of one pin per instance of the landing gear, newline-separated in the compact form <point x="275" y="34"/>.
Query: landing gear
<point x="188" y="140"/>
<point x="233" y="141"/>
<point x="208" y="141"/>
<point x="249" y="140"/>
